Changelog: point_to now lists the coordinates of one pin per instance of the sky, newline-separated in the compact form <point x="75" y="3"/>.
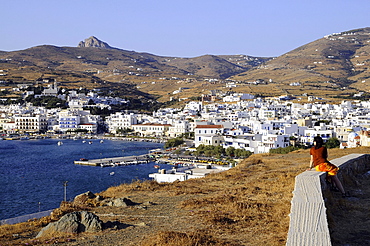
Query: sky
<point x="180" y="28"/>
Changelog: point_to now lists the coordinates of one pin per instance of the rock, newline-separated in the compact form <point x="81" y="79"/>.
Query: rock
<point x="83" y="197"/>
<point x="94" y="42"/>
<point x="117" y="202"/>
<point x="73" y="223"/>
<point x="148" y="203"/>
<point x="141" y="224"/>
<point x="122" y="202"/>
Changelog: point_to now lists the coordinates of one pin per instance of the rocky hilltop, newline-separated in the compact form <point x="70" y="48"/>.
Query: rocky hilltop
<point x="94" y="42"/>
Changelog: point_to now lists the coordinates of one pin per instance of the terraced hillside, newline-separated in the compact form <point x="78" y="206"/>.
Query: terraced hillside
<point x="335" y="61"/>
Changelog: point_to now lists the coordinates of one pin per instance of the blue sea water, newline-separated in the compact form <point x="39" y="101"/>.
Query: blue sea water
<point x="33" y="172"/>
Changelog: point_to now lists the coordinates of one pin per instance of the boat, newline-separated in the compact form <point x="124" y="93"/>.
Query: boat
<point x="60" y="143"/>
<point x="101" y="141"/>
<point x="90" y="142"/>
<point x="156" y="166"/>
<point x="83" y="141"/>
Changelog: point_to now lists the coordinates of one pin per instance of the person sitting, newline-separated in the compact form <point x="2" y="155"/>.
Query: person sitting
<point x="319" y="161"/>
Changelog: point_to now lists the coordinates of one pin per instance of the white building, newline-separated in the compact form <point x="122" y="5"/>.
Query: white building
<point x="322" y="131"/>
<point x="272" y="141"/>
<point x="151" y="129"/>
<point x="208" y="135"/>
<point x="178" y="128"/>
<point x="52" y="90"/>
<point x="120" y="120"/>
<point x="89" y="127"/>
<point x="30" y="123"/>
<point x="72" y="120"/>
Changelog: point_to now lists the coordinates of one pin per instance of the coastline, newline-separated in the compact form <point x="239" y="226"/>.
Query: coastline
<point x="34" y="171"/>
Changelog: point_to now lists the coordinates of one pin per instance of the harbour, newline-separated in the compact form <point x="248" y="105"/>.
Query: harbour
<point x="32" y="172"/>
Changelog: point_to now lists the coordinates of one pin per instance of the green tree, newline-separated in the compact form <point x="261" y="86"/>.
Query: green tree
<point x="332" y="143"/>
<point x="230" y="151"/>
<point x="173" y="142"/>
<point x="242" y="153"/>
<point x="124" y="130"/>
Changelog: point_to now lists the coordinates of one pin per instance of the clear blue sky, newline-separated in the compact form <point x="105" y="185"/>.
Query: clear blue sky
<point x="182" y="28"/>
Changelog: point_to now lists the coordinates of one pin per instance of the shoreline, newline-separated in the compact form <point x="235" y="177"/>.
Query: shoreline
<point x="77" y="137"/>
<point x="41" y="167"/>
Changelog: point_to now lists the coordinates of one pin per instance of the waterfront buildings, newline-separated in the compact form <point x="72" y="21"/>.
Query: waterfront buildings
<point x="253" y="124"/>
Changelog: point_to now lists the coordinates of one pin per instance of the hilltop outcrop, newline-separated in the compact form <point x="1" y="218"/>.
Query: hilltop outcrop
<point x="94" y="42"/>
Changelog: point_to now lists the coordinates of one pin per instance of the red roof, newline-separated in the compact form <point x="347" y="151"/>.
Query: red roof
<point x="152" y="124"/>
<point x="209" y="126"/>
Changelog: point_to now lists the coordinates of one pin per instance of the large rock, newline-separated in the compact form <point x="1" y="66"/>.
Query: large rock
<point x="94" y="42"/>
<point x="82" y="198"/>
<point x="73" y="223"/>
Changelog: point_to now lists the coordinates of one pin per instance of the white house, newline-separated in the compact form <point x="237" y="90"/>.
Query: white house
<point x="321" y="131"/>
<point x="120" y="120"/>
<point x="248" y="142"/>
<point x="272" y="141"/>
<point x="90" y="127"/>
<point x="208" y="135"/>
<point x="178" y="128"/>
<point x="364" y="138"/>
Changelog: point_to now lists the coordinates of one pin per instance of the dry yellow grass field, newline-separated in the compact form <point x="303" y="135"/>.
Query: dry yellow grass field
<point x="246" y="205"/>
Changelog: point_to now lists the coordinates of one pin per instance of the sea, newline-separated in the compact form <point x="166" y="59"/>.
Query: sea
<point x="37" y="175"/>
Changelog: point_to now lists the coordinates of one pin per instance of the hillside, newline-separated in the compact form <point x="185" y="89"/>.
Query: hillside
<point x="335" y="65"/>
<point x="96" y="58"/>
<point x="246" y="205"/>
<point x="333" y="62"/>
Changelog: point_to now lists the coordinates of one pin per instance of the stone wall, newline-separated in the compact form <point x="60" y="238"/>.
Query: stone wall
<point x="308" y="220"/>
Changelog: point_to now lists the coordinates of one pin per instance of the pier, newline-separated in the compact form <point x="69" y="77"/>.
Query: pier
<point x="116" y="161"/>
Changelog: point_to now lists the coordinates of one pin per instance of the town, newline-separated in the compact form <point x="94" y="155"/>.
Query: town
<point x="238" y="120"/>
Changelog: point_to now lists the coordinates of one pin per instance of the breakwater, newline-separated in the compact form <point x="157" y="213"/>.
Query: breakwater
<point x="116" y="161"/>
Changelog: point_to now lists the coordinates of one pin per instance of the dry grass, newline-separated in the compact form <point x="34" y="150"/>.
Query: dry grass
<point x="247" y="205"/>
<point x="184" y="239"/>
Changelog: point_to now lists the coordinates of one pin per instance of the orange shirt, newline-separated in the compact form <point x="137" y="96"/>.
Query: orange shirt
<point x="319" y="155"/>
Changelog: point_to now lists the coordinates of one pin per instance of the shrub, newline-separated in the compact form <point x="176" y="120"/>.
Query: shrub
<point x="285" y="150"/>
<point x="173" y="142"/>
<point x="332" y="143"/>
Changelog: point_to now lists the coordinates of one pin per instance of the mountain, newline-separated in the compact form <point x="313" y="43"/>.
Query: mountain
<point x="336" y="64"/>
<point x="95" y="63"/>
<point x="340" y="59"/>
<point x="216" y="66"/>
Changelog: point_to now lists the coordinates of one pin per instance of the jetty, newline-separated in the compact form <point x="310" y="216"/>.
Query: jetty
<point x="116" y="161"/>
